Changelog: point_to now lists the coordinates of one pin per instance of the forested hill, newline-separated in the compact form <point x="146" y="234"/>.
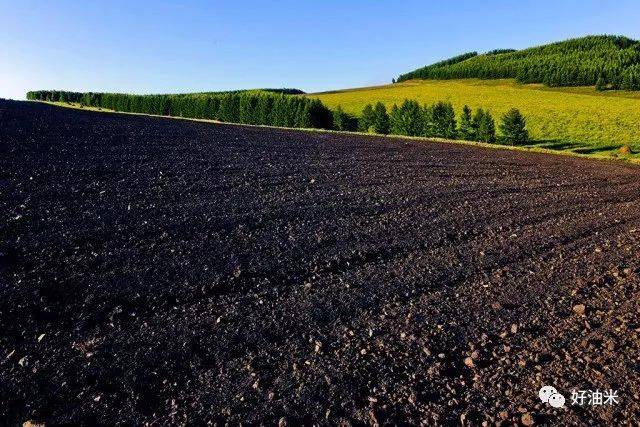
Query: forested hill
<point x="606" y="61"/>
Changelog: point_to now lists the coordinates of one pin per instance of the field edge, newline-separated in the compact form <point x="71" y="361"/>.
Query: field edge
<point x="530" y="149"/>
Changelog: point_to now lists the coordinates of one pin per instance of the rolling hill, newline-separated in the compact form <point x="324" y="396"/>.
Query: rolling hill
<point x="609" y="61"/>
<point x="580" y="119"/>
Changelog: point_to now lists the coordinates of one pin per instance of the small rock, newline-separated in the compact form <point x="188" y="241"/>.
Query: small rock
<point x="526" y="419"/>
<point x="40" y="337"/>
<point x="282" y="422"/>
<point x="469" y="362"/>
<point x="514" y="328"/>
<point x="579" y="309"/>
<point x="23" y="361"/>
<point x="372" y="417"/>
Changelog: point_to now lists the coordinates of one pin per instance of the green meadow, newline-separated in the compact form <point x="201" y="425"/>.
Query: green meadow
<point x="576" y="119"/>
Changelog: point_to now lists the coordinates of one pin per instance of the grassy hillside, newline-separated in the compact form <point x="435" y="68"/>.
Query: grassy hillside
<point x="586" y="119"/>
<point x="610" y="61"/>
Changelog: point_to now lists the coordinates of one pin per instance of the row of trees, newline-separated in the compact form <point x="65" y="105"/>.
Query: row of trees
<point x="609" y="61"/>
<point x="439" y="120"/>
<point x="277" y="109"/>
<point x="250" y="107"/>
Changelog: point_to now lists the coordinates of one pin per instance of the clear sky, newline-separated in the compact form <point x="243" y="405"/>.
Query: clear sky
<point x="181" y="46"/>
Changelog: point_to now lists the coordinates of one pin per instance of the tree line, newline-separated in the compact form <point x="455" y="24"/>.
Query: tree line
<point x="277" y="109"/>
<point x="610" y="62"/>
<point x="250" y="107"/>
<point x="436" y="120"/>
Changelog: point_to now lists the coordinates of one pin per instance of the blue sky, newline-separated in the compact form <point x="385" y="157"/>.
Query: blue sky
<point x="167" y="47"/>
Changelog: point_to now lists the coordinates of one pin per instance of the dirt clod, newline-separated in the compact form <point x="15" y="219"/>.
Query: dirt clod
<point x="469" y="362"/>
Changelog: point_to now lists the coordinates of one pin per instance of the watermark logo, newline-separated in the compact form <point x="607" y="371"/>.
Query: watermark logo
<point x="594" y="397"/>
<point x="550" y="395"/>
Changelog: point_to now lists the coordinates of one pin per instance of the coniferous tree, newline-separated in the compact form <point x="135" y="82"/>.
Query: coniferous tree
<point x="394" y="118"/>
<point x="475" y="123"/>
<point x="513" y="129"/>
<point x="408" y="119"/>
<point x="443" y="120"/>
<point x="343" y="121"/>
<point x="486" y="128"/>
<point x="319" y="115"/>
<point x="466" y="130"/>
<point x="380" y="119"/>
<point x="366" y="119"/>
<point x="428" y="125"/>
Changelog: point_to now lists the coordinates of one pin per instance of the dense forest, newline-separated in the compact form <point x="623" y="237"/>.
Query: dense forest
<point x="609" y="62"/>
<point x="251" y="107"/>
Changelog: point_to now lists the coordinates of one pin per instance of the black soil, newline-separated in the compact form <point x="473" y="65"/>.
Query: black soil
<point x="165" y="271"/>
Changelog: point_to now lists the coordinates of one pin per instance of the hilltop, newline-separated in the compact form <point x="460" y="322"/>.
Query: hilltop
<point x="610" y="62"/>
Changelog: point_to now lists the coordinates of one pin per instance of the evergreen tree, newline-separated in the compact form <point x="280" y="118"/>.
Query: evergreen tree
<point x="380" y="119"/>
<point x="408" y="119"/>
<point x="366" y="119"/>
<point x="343" y="121"/>
<point x="319" y="115"/>
<point x="394" y="119"/>
<point x="466" y="130"/>
<point x="486" y="128"/>
<point x="475" y="123"/>
<point x="513" y="128"/>
<point x="443" y="120"/>
<point x="428" y="126"/>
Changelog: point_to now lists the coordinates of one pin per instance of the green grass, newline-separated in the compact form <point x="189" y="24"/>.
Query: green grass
<point x="577" y="119"/>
